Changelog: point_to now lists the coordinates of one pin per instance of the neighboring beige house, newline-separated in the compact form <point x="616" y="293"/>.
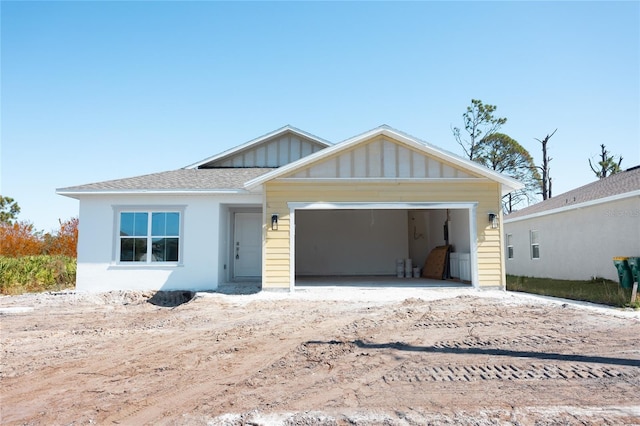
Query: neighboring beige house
<point x="290" y="205"/>
<point x="576" y="235"/>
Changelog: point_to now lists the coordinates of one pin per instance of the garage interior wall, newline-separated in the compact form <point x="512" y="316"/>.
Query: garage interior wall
<point x="350" y="242"/>
<point x="459" y="230"/>
<point x="368" y="242"/>
<point x="426" y="231"/>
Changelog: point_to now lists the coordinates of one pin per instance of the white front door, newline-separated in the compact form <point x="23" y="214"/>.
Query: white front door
<point x="247" y="245"/>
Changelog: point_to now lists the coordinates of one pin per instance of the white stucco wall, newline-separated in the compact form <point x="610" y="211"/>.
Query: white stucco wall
<point x="203" y="250"/>
<point x="577" y="244"/>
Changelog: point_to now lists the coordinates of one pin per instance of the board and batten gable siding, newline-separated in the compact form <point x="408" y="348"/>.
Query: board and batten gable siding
<point x="278" y="193"/>
<point x="381" y="158"/>
<point x="276" y="152"/>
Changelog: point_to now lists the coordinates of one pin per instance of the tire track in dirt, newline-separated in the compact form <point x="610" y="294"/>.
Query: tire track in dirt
<point x="409" y="372"/>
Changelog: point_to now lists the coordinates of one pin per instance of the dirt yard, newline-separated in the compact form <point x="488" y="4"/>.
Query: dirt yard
<point x="319" y="356"/>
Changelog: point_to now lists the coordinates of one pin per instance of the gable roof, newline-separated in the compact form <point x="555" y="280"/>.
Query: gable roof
<point x="218" y="158"/>
<point x="181" y="180"/>
<point x="619" y="185"/>
<point x="508" y="184"/>
<point x="193" y="179"/>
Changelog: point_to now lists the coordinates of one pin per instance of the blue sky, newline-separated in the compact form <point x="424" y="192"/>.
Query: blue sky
<point x="92" y="91"/>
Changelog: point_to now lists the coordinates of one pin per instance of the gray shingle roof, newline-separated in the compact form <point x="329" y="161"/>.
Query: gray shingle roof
<point x="616" y="184"/>
<point x="177" y="180"/>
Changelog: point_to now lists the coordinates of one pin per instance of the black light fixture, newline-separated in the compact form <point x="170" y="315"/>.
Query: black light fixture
<point x="493" y="220"/>
<point x="274" y="222"/>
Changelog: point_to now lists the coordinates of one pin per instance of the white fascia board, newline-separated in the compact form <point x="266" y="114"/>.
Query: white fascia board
<point x="74" y="194"/>
<point x="508" y="184"/>
<point x="259" y="140"/>
<point x="576" y="206"/>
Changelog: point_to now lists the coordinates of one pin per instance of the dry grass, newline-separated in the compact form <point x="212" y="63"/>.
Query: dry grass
<point x="33" y="274"/>
<point x="598" y="290"/>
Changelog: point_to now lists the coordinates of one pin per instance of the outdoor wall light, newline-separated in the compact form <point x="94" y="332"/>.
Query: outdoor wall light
<point x="493" y="220"/>
<point x="274" y="222"/>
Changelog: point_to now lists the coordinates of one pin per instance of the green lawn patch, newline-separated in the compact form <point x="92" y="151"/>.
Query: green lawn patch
<point x="598" y="290"/>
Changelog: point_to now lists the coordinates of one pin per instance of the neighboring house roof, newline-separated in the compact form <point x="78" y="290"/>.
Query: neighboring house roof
<point x="182" y="180"/>
<point x="218" y="158"/>
<point x="619" y="185"/>
<point x="508" y="184"/>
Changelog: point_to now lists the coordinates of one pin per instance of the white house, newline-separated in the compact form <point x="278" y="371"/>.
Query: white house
<point x="289" y="205"/>
<point x="576" y="235"/>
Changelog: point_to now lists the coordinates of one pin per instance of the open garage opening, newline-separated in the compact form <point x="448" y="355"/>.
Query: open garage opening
<point x="364" y="246"/>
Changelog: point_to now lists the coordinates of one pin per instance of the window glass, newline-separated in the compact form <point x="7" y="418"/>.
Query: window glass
<point x="165" y="250"/>
<point x="534" y="237"/>
<point x="173" y="224"/>
<point x="140" y="242"/>
<point x="133" y="249"/>
<point x="126" y="224"/>
<point x="535" y="252"/>
<point x="165" y="224"/>
<point x="158" y="223"/>
<point x="140" y="224"/>
<point x="535" y="245"/>
<point x="133" y="224"/>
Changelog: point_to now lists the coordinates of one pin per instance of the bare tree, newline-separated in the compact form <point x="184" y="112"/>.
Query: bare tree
<point x="479" y="123"/>
<point x="546" y="179"/>
<point x="607" y="164"/>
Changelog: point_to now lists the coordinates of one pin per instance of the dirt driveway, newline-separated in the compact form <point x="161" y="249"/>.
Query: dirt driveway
<point x="319" y="356"/>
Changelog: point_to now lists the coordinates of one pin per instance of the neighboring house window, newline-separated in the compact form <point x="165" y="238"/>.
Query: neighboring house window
<point x="535" y="245"/>
<point x="509" y="246"/>
<point x="149" y="236"/>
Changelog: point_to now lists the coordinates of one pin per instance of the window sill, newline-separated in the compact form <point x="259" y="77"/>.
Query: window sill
<point x="148" y="266"/>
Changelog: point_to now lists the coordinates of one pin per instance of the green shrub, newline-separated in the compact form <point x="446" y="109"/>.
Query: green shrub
<point x="597" y="290"/>
<point x="28" y="274"/>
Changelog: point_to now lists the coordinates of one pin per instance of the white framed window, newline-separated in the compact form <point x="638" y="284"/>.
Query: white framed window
<point x="535" y="244"/>
<point x="509" y="246"/>
<point x="149" y="236"/>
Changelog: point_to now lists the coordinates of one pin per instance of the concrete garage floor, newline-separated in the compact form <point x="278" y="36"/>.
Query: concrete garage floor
<point x="375" y="281"/>
<point x="316" y="282"/>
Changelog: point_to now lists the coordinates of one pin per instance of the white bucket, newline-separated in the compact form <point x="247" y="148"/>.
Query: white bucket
<point x="416" y="272"/>
<point x="408" y="267"/>
<point x="400" y="268"/>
